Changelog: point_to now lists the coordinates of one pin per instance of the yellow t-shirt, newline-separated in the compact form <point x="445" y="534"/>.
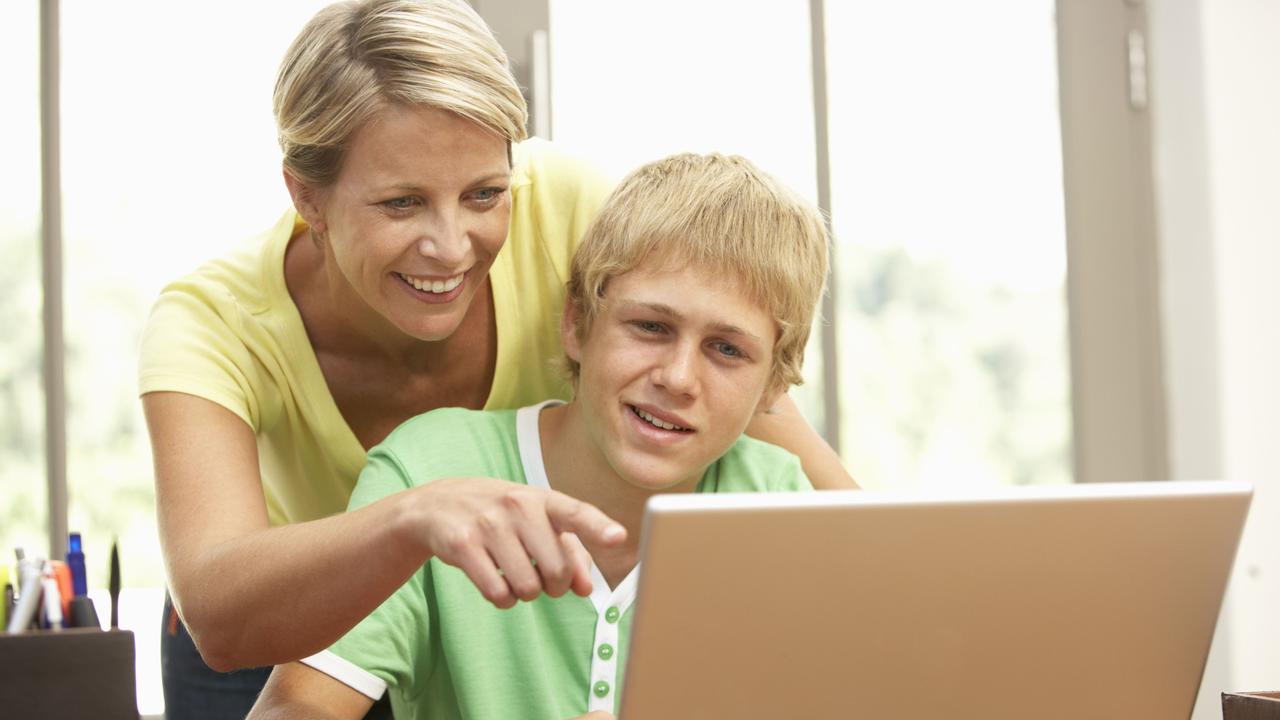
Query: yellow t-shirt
<point x="230" y="333"/>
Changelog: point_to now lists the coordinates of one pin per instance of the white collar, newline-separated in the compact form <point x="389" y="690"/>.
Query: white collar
<point x="529" y="441"/>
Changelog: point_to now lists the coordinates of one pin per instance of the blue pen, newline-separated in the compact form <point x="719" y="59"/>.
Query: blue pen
<point x="75" y="561"/>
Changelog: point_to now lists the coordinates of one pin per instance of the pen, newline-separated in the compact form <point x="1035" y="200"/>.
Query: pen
<point x="75" y="561"/>
<point x="8" y="596"/>
<point x="113" y="584"/>
<point x="62" y="574"/>
<point x="81" y="610"/>
<point x="29" y="593"/>
<point x="52" y="598"/>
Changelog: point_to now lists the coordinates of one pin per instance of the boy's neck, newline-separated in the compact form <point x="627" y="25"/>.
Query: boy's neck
<point x="576" y="468"/>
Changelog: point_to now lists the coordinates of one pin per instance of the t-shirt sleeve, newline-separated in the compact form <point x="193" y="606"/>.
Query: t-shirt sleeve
<point x="790" y="476"/>
<point x="192" y="343"/>
<point x="753" y="465"/>
<point x="396" y="642"/>
<point x="393" y="642"/>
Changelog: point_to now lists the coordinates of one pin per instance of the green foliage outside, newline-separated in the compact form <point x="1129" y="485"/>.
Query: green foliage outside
<point x="949" y="383"/>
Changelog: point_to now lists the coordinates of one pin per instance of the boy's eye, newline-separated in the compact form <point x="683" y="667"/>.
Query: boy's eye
<point x="728" y="350"/>
<point x="486" y="194"/>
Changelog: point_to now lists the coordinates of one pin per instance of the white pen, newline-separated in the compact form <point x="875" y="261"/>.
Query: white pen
<point x="29" y="587"/>
<point x="52" y="598"/>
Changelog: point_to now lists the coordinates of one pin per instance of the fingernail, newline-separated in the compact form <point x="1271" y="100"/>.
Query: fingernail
<point x="614" y="532"/>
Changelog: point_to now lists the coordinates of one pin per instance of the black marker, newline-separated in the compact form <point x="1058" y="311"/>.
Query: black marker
<point x="113" y="584"/>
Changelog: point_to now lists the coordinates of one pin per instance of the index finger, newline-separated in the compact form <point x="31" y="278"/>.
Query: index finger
<point x="584" y="520"/>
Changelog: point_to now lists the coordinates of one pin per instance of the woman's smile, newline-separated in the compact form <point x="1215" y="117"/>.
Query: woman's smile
<point x="433" y="290"/>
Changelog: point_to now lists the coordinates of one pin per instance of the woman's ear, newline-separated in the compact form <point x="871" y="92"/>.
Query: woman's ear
<point x="569" y="320"/>
<point x="305" y="201"/>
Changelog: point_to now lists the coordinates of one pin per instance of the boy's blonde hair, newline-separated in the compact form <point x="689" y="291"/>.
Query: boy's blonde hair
<point x="718" y="213"/>
<point x="354" y="58"/>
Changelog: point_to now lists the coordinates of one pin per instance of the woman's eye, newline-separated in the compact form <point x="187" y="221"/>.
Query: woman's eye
<point x="401" y="203"/>
<point x="648" y="326"/>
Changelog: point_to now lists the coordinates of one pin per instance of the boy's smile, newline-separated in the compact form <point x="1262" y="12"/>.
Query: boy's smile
<point x="672" y="369"/>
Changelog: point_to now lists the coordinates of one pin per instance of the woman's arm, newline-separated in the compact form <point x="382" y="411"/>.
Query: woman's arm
<point x="255" y="595"/>
<point x="250" y="594"/>
<point x="785" y="427"/>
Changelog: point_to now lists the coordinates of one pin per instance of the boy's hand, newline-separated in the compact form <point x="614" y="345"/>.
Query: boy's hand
<point x="515" y="542"/>
<point x="597" y="715"/>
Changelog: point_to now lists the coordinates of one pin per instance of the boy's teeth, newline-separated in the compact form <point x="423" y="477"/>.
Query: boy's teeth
<point x="434" y="286"/>
<point x="656" y="422"/>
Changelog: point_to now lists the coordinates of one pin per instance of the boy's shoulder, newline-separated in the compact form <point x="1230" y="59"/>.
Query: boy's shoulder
<point x="752" y="465"/>
<point x="451" y="423"/>
<point x="453" y="440"/>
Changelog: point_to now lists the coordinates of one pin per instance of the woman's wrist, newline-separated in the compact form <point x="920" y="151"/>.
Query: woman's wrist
<point x="409" y="522"/>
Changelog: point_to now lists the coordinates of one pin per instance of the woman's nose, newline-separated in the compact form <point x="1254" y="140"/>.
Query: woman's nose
<point x="445" y="241"/>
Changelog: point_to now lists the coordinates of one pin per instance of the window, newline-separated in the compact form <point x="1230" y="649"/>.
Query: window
<point x="947" y="201"/>
<point x="619" y="103"/>
<point x="947" y="205"/>
<point x="169" y="159"/>
<point x="24" y="512"/>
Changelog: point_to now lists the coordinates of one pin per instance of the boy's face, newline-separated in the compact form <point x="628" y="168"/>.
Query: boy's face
<point x="672" y="370"/>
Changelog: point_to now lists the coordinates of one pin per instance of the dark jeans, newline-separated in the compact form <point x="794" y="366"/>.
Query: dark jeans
<point x="194" y="691"/>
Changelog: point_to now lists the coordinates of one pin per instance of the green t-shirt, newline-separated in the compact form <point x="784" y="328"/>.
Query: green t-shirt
<point x="441" y="649"/>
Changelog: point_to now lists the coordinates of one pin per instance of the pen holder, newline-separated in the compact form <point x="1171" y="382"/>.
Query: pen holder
<point x="1251" y="706"/>
<point x="68" y="675"/>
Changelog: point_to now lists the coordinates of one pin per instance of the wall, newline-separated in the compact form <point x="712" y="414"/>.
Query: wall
<point x="1216" y="104"/>
<point x="1242" y="81"/>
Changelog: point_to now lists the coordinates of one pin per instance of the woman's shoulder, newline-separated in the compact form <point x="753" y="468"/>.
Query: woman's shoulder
<point x="249" y="275"/>
<point x="557" y="174"/>
<point x="555" y="195"/>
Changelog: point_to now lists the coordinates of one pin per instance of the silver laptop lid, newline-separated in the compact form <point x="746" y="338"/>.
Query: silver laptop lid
<point x="1078" y="601"/>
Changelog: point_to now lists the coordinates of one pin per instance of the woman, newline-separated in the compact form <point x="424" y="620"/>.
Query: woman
<point x="422" y="266"/>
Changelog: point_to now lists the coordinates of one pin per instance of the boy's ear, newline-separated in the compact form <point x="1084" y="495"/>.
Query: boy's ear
<point x="305" y="201"/>
<point x="569" y="320"/>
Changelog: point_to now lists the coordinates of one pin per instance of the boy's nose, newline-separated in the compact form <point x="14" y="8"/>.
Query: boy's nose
<point x="677" y="373"/>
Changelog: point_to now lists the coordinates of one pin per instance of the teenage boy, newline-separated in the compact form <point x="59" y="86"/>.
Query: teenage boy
<point x="689" y="305"/>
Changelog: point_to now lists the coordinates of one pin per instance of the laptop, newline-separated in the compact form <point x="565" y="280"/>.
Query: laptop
<point x="1076" y="601"/>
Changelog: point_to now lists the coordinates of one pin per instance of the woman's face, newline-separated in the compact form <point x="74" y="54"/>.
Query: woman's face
<point x="417" y="215"/>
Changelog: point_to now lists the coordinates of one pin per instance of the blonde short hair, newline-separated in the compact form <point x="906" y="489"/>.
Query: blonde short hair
<point x="354" y="58"/>
<point x="719" y="213"/>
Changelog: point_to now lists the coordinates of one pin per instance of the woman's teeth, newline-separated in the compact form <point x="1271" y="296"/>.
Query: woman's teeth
<point x="656" y="422"/>
<point x="433" y="286"/>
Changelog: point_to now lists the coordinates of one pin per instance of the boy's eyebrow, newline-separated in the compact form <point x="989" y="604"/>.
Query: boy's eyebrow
<point x="669" y="311"/>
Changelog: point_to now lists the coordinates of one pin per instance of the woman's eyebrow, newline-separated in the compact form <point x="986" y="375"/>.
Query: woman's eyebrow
<point x="493" y="177"/>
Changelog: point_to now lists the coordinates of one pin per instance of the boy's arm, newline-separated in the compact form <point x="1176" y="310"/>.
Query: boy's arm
<point x="785" y="427"/>
<point x="298" y="692"/>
